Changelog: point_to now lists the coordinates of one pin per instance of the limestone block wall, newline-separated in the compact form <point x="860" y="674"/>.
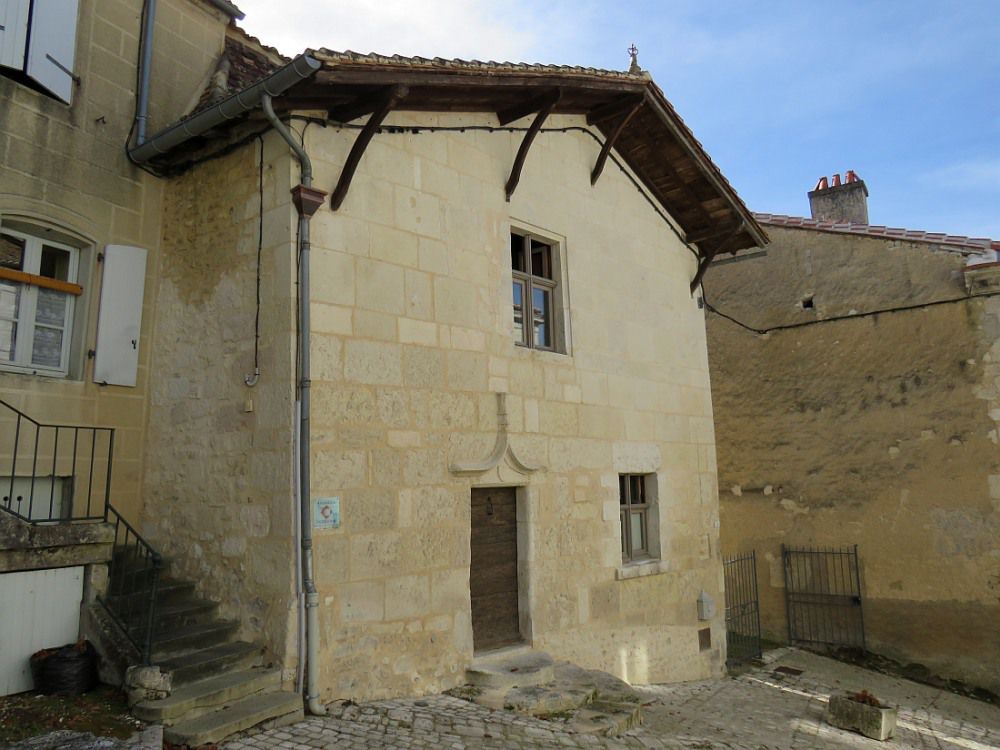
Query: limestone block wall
<point x="190" y="35"/>
<point x="879" y="431"/>
<point x="412" y="339"/>
<point x="219" y="483"/>
<point x="64" y="168"/>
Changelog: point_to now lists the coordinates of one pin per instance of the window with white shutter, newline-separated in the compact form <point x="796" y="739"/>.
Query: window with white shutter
<point x="38" y="43"/>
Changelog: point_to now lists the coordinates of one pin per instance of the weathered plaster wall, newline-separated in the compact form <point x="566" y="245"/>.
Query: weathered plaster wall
<point x="64" y="167"/>
<point x="412" y="339"/>
<point x="879" y="431"/>
<point x="219" y="481"/>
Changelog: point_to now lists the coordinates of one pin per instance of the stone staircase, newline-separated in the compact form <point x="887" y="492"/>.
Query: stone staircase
<point x="530" y="682"/>
<point x="218" y="684"/>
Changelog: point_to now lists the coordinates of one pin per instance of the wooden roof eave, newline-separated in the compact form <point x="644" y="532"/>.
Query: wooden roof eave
<point x="754" y="235"/>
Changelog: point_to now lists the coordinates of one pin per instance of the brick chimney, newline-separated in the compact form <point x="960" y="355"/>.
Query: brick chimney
<point x="845" y="202"/>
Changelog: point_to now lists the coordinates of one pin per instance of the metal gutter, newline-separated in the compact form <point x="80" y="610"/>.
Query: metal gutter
<point x="240" y="103"/>
<point x="228" y="8"/>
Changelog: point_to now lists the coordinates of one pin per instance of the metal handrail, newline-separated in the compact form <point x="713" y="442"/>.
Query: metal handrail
<point x="133" y="578"/>
<point x="135" y="567"/>
<point x="38" y="458"/>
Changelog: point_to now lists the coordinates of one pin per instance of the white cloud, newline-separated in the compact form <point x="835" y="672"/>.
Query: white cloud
<point x="973" y="174"/>
<point x="430" y="28"/>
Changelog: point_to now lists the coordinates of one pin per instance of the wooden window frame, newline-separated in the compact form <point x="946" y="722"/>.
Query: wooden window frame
<point x="30" y="281"/>
<point x="629" y="505"/>
<point x="529" y="282"/>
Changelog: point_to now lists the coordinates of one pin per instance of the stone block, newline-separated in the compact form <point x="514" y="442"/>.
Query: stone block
<point x="362" y="602"/>
<point x="407" y="597"/>
<point x="373" y="362"/>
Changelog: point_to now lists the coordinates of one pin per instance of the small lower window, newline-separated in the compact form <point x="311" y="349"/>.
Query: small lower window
<point x="38" y="292"/>
<point x="634" y="503"/>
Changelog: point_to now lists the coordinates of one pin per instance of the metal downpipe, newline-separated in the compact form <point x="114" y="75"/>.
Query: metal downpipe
<point x="303" y="445"/>
<point x="145" y="67"/>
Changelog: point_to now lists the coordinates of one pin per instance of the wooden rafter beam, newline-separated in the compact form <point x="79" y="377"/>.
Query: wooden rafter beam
<point x="711" y="233"/>
<point x="676" y="178"/>
<point x="610" y="141"/>
<point x="390" y="99"/>
<point x="616" y="108"/>
<point x="527" y="107"/>
<point x="359" y="106"/>
<point x="546" y="104"/>
<point x="707" y="255"/>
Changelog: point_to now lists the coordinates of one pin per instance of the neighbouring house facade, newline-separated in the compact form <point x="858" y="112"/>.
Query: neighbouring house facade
<point x="506" y="408"/>
<point x="863" y="409"/>
<point x="79" y="250"/>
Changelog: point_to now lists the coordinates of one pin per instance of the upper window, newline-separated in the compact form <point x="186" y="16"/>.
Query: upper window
<point x="38" y="44"/>
<point x="38" y="292"/>
<point x="536" y="293"/>
<point x="634" y="504"/>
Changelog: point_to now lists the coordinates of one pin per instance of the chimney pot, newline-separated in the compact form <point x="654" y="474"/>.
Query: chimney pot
<point x="841" y="202"/>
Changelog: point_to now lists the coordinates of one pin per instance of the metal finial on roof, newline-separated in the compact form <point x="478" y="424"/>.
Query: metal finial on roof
<point x="633" y="52"/>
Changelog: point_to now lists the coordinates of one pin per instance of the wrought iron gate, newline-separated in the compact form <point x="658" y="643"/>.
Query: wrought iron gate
<point x="823" y="596"/>
<point x="742" y="608"/>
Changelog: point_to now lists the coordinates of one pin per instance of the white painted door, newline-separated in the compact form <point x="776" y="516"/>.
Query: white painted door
<point x="40" y="609"/>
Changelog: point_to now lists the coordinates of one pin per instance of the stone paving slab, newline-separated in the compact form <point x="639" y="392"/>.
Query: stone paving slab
<point x="759" y="710"/>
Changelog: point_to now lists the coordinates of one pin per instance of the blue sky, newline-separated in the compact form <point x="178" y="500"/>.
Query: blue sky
<point x="907" y="94"/>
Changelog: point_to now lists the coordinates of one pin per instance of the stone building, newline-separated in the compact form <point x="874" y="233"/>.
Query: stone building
<point x="855" y="382"/>
<point x="404" y="389"/>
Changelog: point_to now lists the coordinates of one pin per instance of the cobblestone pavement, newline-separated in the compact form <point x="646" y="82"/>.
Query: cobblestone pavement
<point x="763" y="709"/>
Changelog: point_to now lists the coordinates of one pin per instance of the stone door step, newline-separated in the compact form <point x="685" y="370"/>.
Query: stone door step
<point x="267" y="709"/>
<point x="520" y="667"/>
<point x="582" y="700"/>
<point x="199" y="698"/>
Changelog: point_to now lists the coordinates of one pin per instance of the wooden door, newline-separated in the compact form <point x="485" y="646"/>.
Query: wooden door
<point x="493" y="577"/>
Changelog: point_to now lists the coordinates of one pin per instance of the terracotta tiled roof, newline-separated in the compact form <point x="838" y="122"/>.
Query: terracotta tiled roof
<point x="440" y="63"/>
<point x="948" y="241"/>
<point x="244" y="61"/>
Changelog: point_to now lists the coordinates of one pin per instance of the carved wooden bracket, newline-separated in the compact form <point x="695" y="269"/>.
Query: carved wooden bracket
<point x="501" y="448"/>
<point x="610" y="142"/>
<point x="543" y="105"/>
<point x="707" y="255"/>
<point x="379" y="108"/>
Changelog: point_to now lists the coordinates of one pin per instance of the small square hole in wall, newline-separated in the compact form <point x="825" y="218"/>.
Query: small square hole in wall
<point x="807" y="303"/>
<point x="704" y="639"/>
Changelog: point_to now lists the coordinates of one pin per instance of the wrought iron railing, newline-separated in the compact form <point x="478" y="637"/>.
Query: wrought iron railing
<point x="53" y="473"/>
<point x="133" y="578"/>
<point x="742" y="608"/>
<point x="823" y="597"/>
<point x="57" y="473"/>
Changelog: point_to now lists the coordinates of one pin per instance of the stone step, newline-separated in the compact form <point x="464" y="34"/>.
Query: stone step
<point x="274" y="709"/>
<point x="204" y="696"/>
<point x="510" y="668"/>
<point x="606" y="718"/>
<point x="185" y="611"/>
<point x="192" y="637"/>
<point x="540" y="700"/>
<point x="209" y="662"/>
<point x="167" y="591"/>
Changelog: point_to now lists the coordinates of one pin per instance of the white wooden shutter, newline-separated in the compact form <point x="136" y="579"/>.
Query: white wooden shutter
<point x="120" y="317"/>
<point x="52" y="45"/>
<point x="13" y="32"/>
